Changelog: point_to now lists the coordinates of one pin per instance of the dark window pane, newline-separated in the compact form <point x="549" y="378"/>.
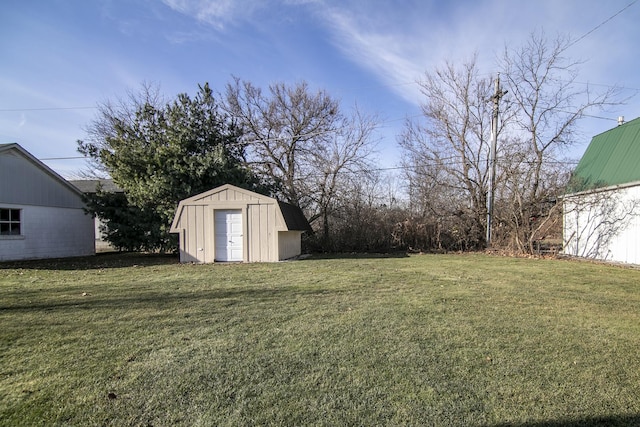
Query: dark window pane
<point x="4" y="214"/>
<point x="15" y="229"/>
<point x="4" y="229"/>
<point x="15" y="214"/>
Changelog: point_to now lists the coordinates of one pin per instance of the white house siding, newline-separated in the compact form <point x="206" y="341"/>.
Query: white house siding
<point x="49" y="232"/>
<point x="25" y="181"/>
<point x="604" y="225"/>
<point x="289" y="244"/>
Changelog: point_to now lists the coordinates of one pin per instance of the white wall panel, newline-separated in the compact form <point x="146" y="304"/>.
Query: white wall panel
<point x="49" y="232"/>
<point x="23" y="182"/>
<point x="604" y="225"/>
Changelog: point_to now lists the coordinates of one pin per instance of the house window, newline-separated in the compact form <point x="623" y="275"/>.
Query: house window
<point x="10" y="222"/>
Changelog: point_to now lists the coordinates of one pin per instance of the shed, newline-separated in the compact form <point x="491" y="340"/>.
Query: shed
<point x="602" y="207"/>
<point x="41" y="214"/>
<point x="229" y="223"/>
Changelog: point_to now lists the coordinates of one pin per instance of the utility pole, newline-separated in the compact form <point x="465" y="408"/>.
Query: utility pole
<point x="492" y="156"/>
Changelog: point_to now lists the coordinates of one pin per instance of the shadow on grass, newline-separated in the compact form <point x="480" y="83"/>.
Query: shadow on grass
<point x="612" y="421"/>
<point x="172" y="298"/>
<point x="96" y="262"/>
<point x="132" y="259"/>
<point x="355" y="255"/>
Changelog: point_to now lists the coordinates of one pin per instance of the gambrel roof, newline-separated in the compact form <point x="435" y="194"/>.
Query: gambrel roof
<point x="612" y="158"/>
<point x="291" y="217"/>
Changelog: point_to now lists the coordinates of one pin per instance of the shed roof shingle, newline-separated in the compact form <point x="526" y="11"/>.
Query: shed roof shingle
<point x="294" y="217"/>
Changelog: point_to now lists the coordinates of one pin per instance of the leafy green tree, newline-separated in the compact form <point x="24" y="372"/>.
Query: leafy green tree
<point x="159" y="156"/>
<point x="125" y="226"/>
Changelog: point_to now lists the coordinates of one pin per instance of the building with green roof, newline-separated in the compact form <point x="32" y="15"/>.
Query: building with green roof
<point x="612" y="158"/>
<point x="602" y="204"/>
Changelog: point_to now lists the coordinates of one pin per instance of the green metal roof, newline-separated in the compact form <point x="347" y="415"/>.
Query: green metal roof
<point x="612" y="158"/>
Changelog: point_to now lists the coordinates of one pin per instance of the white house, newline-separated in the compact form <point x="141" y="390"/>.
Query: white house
<point x="90" y="187"/>
<point x="602" y="210"/>
<point x="229" y="223"/>
<point x="41" y="214"/>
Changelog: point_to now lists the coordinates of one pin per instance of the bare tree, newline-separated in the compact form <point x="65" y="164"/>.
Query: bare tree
<point x="344" y="159"/>
<point x="448" y="151"/>
<point x="284" y="129"/>
<point x="110" y="114"/>
<point x="447" y="155"/>
<point x="366" y="218"/>
<point x="594" y="219"/>
<point x="302" y="141"/>
<point x="547" y="104"/>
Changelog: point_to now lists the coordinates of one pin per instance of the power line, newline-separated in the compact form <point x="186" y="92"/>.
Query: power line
<point x="603" y="85"/>
<point x="602" y="23"/>
<point x="7" y="110"/>
<point x="64" y="158"/>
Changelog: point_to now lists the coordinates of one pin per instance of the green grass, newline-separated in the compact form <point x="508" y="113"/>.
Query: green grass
<point x="419" y="340"/>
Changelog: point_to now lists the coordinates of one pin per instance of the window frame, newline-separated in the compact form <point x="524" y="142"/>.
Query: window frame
<point x="9" y="222"/>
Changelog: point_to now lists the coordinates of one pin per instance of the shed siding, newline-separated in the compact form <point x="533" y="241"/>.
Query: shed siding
<point x="261" y="237"/>
<point x="604" y="225"/>
<point x="289" y="244"/>
<point x="266" y="249"/>
<point x="49" y="232"/>
<point x="208" y="237"/>
<point x="262" y="221"/>
<point x="197" y="231"/>
<point x="24" y="183"/>
<point x="192" y="231"/>
<point x="254" y="233"/>
<point x="228" y="195"/>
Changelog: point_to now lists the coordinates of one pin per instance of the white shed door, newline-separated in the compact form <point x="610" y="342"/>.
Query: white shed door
<point x="228" y="229"/>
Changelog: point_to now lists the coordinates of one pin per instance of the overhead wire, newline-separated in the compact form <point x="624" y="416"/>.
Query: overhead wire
<point x="335" y="130"/>
<point x="601" y="24"/>
<point x="597" y="27"/>
<point x="9" y="110"/>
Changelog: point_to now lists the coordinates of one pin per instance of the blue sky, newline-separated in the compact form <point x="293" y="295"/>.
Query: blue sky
<point x="59" y="58"/>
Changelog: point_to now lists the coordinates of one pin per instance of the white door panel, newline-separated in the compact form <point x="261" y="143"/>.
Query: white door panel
<point x="229" y="235"/>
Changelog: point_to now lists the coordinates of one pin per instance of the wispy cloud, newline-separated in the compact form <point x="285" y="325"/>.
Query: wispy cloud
<point x="197" y="35"/>
<point x="217" y="13"/>
<point x="399" y="43"/>
<point x="386" y="53"/>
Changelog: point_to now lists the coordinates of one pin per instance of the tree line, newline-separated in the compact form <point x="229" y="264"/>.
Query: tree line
<point x="303" y="147"/>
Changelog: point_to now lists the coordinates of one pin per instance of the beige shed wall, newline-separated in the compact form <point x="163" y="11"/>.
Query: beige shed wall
<point x="229" y="195"/>
<point x="262" y="234"/>
<point x="265" y="235"/>
<point x="196" y="223"/>
<point x="262" y="225"/>
<point x="289" y="244"/>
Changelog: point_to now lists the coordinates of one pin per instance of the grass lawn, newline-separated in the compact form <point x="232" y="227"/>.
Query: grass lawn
<point x="420" y="340"/>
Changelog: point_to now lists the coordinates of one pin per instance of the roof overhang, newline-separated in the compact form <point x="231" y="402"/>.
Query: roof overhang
<point x="601" y="189"/>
